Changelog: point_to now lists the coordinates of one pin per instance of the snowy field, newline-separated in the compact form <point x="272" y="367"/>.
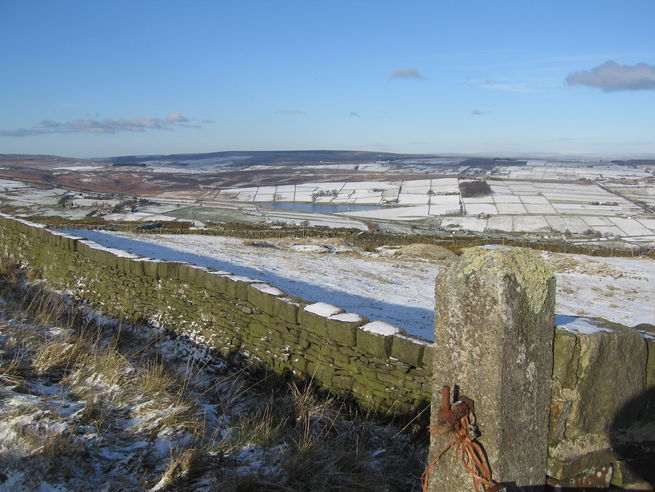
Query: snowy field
<point x="391" y="288"/>
<point x="512" y="206"/>
<point x="587" y="210"/>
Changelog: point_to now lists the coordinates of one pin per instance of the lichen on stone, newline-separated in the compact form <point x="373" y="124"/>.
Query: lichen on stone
<point x="533" y="275"/>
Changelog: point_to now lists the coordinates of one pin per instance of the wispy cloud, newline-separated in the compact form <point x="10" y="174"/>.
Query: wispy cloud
<point x="100" y="126"/>
<point x="176" y="118"/>
<point x="477" y="112"/>
<point x="406" y="73"/>
<point x="207" y="122"/>
<point x="499" y="86"/>
<point x="290" y="112"/>
<point x="354" y="114"/>
<point x="612" y="77"/>
<point x="512" y="87"/>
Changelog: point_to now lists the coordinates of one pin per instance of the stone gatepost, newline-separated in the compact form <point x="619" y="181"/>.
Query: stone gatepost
<point x="494" y="333"/>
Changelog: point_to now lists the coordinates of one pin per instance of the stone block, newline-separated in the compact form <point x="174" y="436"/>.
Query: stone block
<point x="237" y="287"/>
<point x="186" y="273"/>
<point x="150" y="268"/>
<point x="408" y="350"/>
<point x="110" y="259"/>
<point x="342" y="328"/>
<point x="606" y="368"/>
<point x="428" y="358"/>
<point x="124" y="264"/>
<point x="375" y="338"/>
<point x="170" y="270"/>
<point x="594" y="479"/>
<point x="136" y="267"/>
<point x="286" y="309"/>
<point x="634" y="474"/>
<point x="565" y="361"/>
<point x="313" y="317"/>
<point x="261" y="296"/>
<point x="321" y="372"/>
<point x="200" y="279"/>
<point x="215" y="283"/>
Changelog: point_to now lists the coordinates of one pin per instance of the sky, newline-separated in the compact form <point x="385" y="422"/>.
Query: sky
<point x="105" y="78"/>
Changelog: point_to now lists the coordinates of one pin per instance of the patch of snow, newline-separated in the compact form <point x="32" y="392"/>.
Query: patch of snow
<point x="347" y="317"/>
<point x="268" y="289"/>
<point x="583" y="326"/>
<point x="323" y="309"/>
<point x="78" y="168"/>
<point x="239" y="278"/>
<point x="310" y="248"/>
<point x="382" y="328"/>
<point x="492" y="246"/>
<point x="418" y="341"/>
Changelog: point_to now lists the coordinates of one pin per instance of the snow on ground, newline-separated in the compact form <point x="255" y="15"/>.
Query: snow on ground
<point x="397" y="290"/>
<point x="78" y="168"/>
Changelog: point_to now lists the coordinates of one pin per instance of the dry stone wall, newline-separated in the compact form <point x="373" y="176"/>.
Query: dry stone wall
<point x="377" y="364"/>
<point x="602" y="419"/>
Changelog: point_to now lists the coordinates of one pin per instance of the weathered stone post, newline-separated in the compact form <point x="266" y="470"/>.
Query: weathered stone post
<point x="494" y="333"/>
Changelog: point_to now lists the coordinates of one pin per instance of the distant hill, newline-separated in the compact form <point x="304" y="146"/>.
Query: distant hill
<point x="295" y="157"/>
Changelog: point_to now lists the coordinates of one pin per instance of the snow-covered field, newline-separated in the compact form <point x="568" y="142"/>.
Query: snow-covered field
<point x="541" y="206"/>
<point x="394" y="288"/>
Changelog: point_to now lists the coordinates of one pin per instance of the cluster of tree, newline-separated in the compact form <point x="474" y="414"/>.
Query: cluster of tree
<point x="316" y="194"/>
<point x="474" y="188"/>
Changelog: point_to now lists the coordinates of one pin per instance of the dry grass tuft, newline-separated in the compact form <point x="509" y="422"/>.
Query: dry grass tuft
<point x="58" y="356"/>
<point x="262" y="429"/>
<point x="12" y="371"/>
<point x="315" y="416"/>
<point x="324" y="467"/>
<point x="183" y="466"/>
<point x="155" y="379"/>
<point x="47" y="443"/>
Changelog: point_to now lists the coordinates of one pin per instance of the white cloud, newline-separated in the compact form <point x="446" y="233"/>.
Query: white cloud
<point x="611" y="77"/>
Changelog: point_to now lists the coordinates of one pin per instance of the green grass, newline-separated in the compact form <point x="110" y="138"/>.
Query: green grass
<point x="215" y="214"/>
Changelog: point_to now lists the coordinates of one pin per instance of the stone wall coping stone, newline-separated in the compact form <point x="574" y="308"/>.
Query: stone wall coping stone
<point x="289" y="300"/>
<point x="268" y="289"/>
<point x="382" y="328"/>
<point x="323" y="309"/>
<point x="413" y="339"/>
<point x="239" y="278"/>
<point x="118" y="252"/>
<point x="586" y="326"/>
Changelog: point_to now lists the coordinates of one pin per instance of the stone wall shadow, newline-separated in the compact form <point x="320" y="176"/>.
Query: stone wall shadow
<point x="632" y="435"/>
<point x="414" y="319"/>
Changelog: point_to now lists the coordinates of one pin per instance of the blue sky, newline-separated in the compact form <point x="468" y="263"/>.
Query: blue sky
<point x="101" y="78"/>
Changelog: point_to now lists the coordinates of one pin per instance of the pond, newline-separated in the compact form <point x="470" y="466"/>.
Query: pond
<point x="327" y="208"/>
